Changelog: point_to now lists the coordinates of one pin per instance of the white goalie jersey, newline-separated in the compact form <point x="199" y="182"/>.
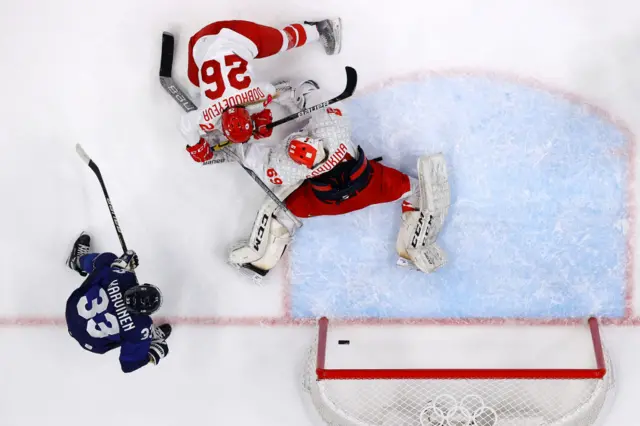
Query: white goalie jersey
<point x="329" y="127"/>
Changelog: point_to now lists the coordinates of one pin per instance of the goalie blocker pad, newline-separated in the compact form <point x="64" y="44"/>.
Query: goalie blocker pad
<point x="419" y="229"/>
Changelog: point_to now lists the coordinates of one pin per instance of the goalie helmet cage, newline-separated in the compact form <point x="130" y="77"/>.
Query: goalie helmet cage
<point x="457" y="397"/>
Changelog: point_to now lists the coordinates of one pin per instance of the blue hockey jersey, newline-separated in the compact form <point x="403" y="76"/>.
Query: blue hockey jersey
<point x="97" y="316"/>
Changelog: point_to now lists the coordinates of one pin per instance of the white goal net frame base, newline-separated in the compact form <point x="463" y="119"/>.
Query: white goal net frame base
<point x="458" y="397"/>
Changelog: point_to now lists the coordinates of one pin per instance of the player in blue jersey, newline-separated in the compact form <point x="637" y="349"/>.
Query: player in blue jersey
<point x="111" y="310"/>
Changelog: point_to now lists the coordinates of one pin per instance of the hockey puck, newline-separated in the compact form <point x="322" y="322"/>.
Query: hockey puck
<point x="343" y="342"/>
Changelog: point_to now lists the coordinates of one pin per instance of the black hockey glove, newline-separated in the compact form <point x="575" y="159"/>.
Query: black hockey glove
<point x="157" y="351"/>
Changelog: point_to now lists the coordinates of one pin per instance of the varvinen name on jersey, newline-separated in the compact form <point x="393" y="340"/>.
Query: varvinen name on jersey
<point x="115" y="296"/>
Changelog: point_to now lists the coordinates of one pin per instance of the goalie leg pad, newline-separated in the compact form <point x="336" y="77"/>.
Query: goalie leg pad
<point x="253" y="249"/>
<point x="420" y="228"/>
<point x="256" y="246"/>
<point x="272" y="232"/>
<point x="425" y="257"/>
<point x="435" y="198"/>
<point x="275" y="240"/>
<point x="429" y="258"/>
<point x="434" y="183"/>
<point x="416" y="232"/>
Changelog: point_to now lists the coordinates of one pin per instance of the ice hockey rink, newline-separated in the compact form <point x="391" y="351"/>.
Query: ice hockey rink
<point x="533" y="104"/>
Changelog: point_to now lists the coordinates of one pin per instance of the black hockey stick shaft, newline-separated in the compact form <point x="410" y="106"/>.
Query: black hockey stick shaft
<point x="166" y="65"/>
<point x="94" y="167"/>
<point x="352" y="82"/>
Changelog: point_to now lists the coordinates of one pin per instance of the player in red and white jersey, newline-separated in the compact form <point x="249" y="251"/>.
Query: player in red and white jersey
<point x="219" y="63"/>
<point x="318" y="172"/>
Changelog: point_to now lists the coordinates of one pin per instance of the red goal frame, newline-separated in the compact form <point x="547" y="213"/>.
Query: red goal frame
<point x="324" y="373"/>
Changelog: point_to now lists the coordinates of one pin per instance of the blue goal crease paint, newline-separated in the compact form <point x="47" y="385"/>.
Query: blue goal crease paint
<point x="538" y="189"/>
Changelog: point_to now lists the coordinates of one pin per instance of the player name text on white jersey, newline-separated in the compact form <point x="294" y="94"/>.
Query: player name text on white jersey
<point x="214" y="110"/>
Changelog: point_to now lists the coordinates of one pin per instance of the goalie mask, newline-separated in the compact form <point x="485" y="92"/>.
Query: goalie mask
<point x="306" y="151"/>
<point x="236" y="124"/>
<point x="143" y="299"/>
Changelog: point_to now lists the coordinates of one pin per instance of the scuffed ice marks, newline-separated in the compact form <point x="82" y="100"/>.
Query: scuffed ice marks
<point x="538" y="216"/>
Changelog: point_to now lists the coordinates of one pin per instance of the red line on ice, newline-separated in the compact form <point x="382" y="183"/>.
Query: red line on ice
<point x="286" y="321"/>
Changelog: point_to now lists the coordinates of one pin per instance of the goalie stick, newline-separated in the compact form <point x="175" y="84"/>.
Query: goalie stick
<point x="166" y="80"/>
<point x="94" y="167"/>
<point x="352" y="82"/>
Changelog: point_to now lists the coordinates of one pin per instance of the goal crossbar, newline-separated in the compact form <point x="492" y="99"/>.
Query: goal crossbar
<point x="324" y="373"/>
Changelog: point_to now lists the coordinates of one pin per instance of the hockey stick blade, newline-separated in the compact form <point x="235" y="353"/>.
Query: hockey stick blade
<point x="352" y="82"/>
<point x="177" y="94"/>
<point x="83" y="154"/>
<point x="166" y="68"/>
<point x="88" y="161"/>
<point x="166" y="57"/>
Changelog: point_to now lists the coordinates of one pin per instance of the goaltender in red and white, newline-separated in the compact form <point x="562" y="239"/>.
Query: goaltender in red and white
<point x="317" y="170"/>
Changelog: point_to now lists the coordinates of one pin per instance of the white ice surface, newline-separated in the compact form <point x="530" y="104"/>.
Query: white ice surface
<point x="83" y="71"/>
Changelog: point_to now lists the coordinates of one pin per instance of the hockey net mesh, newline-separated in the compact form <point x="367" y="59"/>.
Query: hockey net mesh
<point x="456" y="402"/>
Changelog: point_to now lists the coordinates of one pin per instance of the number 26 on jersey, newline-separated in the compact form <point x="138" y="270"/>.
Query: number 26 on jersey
<point x="212" y="74"/>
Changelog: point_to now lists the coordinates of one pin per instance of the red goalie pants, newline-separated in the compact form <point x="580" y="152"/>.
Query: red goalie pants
<point x="386" y="185"/>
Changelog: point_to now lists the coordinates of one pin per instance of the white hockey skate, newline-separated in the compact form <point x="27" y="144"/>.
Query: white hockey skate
<point x="330" y="31"/>
<point x="295" y="99"/>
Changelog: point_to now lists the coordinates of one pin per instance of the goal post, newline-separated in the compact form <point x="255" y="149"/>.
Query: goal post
<point x="344" y="394"/>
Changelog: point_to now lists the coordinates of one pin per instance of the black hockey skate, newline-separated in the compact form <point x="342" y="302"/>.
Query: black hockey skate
<point x="161" y="332"/>
<point x="330" y="31"/>
<point x="80" y="248"/>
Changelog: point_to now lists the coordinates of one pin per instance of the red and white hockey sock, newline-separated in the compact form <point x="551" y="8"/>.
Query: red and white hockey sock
<point x="296" y="35"/>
